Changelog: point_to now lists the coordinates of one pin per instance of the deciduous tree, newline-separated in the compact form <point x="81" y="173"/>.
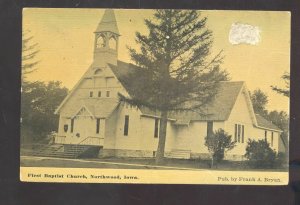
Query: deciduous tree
<point x="284" y="91"/>
<point x="39" y="100"/>
<point x="259" y="101"/>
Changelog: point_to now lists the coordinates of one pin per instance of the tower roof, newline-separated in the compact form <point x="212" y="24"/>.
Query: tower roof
<point x="108" y="22"/>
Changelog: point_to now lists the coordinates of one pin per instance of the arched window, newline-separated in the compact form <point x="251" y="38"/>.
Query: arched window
<point x="98" y="71"/>
<point x="100" y="42"/>
<point x="112" y="43"/>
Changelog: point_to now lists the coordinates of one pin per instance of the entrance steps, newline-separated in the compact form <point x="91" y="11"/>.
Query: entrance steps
<point x="67" y="151"/>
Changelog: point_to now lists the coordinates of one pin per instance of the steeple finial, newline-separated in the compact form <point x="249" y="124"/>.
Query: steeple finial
<point x="108" y="23"/>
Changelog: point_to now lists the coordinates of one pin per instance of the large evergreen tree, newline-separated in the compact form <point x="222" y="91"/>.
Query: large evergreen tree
<point x="177" y="74"/>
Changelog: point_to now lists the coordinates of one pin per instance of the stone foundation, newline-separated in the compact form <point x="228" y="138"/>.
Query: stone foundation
<point x="234" y="157"/>
<point x="106" y="153"/>
<point x="230" y="157"/>
<point x="125" y="153"/>
<point x="200" y="155"/>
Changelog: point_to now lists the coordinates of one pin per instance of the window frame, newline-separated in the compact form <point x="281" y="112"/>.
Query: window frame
<point x="239" y="133"/>
<point x="266" y="135"/>
<point x="243" y="133"/>
<point x="209" y="128"/>
<point x="156" y="128"/>
<point x="126" y="125"/>
<point x="114" y="40"/>
<point x="97" y="125"/>
<point x="272" y="139"/>
<point x="72" y="125"/>
<point x="101" y="44"/>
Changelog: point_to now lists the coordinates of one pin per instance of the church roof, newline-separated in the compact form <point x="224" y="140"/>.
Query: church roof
<point x="219" y="109"/>
<point x="108" y="22"/>
<point x="262" y="122"/>
<point x="99" y="108"/>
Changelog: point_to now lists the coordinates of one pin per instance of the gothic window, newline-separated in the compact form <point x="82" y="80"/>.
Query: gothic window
<point x="100" y="42"/>
<point x="98" y="71"/>
<point x="112" y="43"/>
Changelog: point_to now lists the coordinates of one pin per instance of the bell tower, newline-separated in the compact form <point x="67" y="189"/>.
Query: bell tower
<point x="106" y="40"/>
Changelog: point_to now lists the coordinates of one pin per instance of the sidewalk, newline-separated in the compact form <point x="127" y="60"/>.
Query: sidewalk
<point x="88" y="163"/>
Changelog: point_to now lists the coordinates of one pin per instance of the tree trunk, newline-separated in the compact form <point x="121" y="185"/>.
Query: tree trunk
<point x="162" y="138"/>
<point x="212" y="162"/>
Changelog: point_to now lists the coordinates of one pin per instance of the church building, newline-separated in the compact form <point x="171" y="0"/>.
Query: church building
<point x="92" y="114"/>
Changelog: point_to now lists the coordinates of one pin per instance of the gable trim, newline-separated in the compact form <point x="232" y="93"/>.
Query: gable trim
<point x="248" y="102"/>
<point x="72" y="91"/>
<point x="81" y="109"/>
<point x="270" y="129"/>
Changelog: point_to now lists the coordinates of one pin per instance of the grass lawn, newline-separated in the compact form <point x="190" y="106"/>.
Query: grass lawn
<point x="137" y="163"/>
<point x="194" y="164"/>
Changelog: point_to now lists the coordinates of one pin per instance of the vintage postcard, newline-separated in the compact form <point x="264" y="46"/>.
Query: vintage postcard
<point x="155" y="96"/>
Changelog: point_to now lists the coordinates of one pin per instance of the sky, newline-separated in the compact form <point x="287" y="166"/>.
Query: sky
<point x="65" y="40"/>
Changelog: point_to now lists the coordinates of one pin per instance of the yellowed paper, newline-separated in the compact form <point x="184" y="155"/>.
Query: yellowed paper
<point x="80" y="131"/>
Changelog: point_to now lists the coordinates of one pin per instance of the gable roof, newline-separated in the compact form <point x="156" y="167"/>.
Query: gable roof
<point x="218" y="110"/>
<point x="126" y="74"/>
<point x="264" y="123"/>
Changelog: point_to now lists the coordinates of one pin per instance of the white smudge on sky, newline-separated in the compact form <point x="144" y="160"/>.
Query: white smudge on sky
<point x="244" y="34"/>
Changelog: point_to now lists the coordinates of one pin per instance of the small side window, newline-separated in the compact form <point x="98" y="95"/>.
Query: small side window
<point x="91" y="94"/>
<point x="72" y="125"/>
<point x="156" y="123"/>
<point x="97" y="126"/>
<point x="210" y="128"/>
<point x="266" y="133"/>
<point x="99" y="94"/>
<point x="126" y="125"/>
<point x="272" y="138"/>
<point x="107" y="93"/>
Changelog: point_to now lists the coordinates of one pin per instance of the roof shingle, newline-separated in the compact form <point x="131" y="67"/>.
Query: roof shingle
<point x="219" y="109"/>
<point x="262" y="122"/>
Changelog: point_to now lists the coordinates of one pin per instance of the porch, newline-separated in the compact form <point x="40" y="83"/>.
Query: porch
<point x="95" y="141"/>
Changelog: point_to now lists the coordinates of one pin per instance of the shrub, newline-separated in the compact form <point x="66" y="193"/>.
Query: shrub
<point x="218" y="143"/>
<point x="260" y="154"/>
<point x="282" y="160"/>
